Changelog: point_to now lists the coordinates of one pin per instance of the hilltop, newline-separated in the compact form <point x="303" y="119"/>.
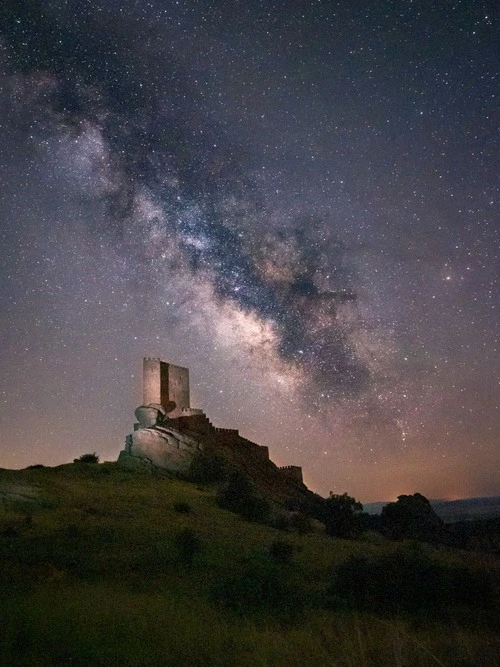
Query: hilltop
<point x="455" y="510"/>
<point x="100" y="565"/>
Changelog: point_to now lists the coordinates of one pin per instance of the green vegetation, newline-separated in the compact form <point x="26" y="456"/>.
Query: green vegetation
<point x="183" y="508"/>
<point x="239" y="495"/>
<point x="209" y="469"/>
<point x="104" y="566"/>
<point x="342" y="516"/>
<point x="188" y="545"/>
<point x="87" y="458"/>
<point x="410" y="581"/>
<point x="281" y="551"/>
<point x="411" y="517"/>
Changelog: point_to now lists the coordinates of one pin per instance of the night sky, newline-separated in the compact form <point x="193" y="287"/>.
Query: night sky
<point x="297" y="200"/>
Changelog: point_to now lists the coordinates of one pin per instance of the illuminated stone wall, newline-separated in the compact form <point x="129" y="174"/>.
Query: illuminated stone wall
<point x="164" y="382"/>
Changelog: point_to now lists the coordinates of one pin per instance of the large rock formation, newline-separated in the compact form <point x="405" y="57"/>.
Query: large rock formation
<point x="168" y="436"/>
<point x="156" y="444"/>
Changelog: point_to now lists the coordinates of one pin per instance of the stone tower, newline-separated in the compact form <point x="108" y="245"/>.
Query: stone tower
<point x="164" y="382"/>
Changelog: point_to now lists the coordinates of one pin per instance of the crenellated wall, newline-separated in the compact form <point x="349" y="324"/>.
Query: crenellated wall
<point x="163" y="383"/>
<point x="295" y="472"/>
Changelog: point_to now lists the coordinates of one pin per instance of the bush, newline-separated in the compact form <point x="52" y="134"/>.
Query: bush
<point x="262" y="586"/>
<point x="281" y="551"/>
<point x="296" y="522"/>
<point x="208" y="469"/>
<point x="313" y="507"/>
<point x="87" y="458"/>
<point x="481" y="534"/>
<point x="239" y="496"/>
<point x="35" y="466"/>
<point x="300" y="523"/>
<point x="282" y="522"/>
<point x="409" y="581"/>
<point x="188" y="545"/>
<point x="183" y="508"/>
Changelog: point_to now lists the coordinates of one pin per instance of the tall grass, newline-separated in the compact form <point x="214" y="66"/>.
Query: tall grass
<point x="98" y="625"/>
<point x="91" y="575"/>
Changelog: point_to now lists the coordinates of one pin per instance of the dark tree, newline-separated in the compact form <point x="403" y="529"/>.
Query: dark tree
<point x="342" y="516"/>
<point x="411" y="517"/>
<point x="87" y="458"/>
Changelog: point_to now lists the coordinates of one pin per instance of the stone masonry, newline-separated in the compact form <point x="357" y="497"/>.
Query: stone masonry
<point x="169" y="433"/>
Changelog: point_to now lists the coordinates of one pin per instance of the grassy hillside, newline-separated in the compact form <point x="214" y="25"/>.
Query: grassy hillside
<point x="104" y="566"/>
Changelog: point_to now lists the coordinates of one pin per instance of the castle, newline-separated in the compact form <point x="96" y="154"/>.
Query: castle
<point x="169" y="433"/>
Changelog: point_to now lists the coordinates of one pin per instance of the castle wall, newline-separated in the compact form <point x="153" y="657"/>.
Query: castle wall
<point x="197" y="422"/>
<point x="294" y="472"/>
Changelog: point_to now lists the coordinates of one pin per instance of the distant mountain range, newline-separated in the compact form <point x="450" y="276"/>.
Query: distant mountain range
<point x="454" y="510"/>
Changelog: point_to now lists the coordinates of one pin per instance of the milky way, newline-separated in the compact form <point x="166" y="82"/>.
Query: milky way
<point x="299" y="203"/>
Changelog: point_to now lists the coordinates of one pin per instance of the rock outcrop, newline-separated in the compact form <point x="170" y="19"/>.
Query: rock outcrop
<point x="160" y="447"/>
<point x="169" y="436"/>
<point x="157" y="444"/>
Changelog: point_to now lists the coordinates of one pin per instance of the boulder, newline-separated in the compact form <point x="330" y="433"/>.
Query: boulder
<point x="152" y="413"/>
<point x="160" y="447"/>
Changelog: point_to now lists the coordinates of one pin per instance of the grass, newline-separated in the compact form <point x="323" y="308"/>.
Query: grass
<point x="84" y="624"/>
<point x="91" y="574"/>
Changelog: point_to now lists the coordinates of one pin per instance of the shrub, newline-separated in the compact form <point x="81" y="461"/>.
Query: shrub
<point x="35" y="466"/>
<point x="183" y="508"/>
<point x="188" y="545"/>
<point x="282" y="522"/>
<point x="208" y="469"/>
<point x="296" y="522"/>
<point x="16" y="528"/>
<point x="87" y="458"/>
<point x="409" y="581"/>
<point x="313" y="507"/>
<point x="481" y="534"/>
<point x="239" y="496"/>
<point x="262" y="586"/>
<point x="281" y="551"/>
<point x="300" y="523"/>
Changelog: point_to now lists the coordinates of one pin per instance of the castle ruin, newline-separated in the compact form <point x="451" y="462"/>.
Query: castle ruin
<point x="163" y="383"/>
<point x="169" y="433"/>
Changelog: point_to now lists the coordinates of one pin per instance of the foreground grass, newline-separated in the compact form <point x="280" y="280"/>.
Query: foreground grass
<point x="91" y="573"/>
<point x="82" y="624"/>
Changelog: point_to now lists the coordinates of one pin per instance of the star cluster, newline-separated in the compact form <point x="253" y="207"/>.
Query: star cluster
<point x="299" y="201"/>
